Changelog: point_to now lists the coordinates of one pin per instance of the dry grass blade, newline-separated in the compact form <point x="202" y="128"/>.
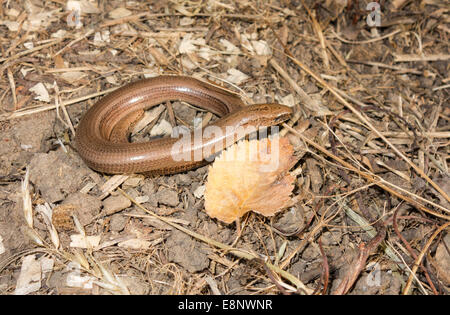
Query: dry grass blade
<point x="361" y="42"/>
<point x="26" y="197"/>
<point x="409" y="58"/>
<point x="421" y="255"/>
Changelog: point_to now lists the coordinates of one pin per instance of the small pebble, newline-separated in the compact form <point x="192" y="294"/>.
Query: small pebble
<point x="115" y="204"/>
<point x="167" y="197"/>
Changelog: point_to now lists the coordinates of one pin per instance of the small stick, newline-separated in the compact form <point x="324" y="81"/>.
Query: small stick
<point x="319" y="33"/>
<point x="13" y="86"/>
<point x="382" y="65"/>
<point x="64" y="110"/>
<point x="441" y="87"/>
<point x="408" y="58"/>
<point x="172" y="119"/>
<point x="372" y="40"/>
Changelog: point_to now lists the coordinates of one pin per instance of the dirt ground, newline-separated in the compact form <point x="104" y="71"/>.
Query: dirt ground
<point x="370" y="210"/>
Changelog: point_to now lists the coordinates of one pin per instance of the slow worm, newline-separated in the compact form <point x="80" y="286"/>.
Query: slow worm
<point x="102" y="135"/>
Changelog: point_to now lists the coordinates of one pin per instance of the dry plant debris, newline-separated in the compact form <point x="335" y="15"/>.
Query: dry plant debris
<point x="250" y="176"/>
<point x="367" y="202"/>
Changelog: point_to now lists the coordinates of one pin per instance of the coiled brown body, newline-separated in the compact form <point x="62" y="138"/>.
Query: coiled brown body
<point x="101" y="137"/>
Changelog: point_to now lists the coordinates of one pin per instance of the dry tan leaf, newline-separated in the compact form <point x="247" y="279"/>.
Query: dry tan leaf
<point x="32" y="272"/>
<point x="72" y="77"/>
<point x="289" y="100"/>
<point x="41" y="92"/>
<point x="37" y="17"/>
<point x="186" y="21"/>
<point x="28" y="45"/>
<point x="162" y="128"/>
<point x="250" y="175"/>
<point x="13" y="13"/>
<point x="83" y="241"/>
<point x="102" y="38"/>
<point x="200" y="191"/>
<point x="83" y="6"/>
<point x="30" y="276"/>
<point x="187" y="44"/>
<point x="135" y="243"/>
<point x="235" y="76"/>
<point x="159" y="56"/>
<point x="262" y="48"/>
<point x="119" y="13"/>
<point x="59" y="62"/>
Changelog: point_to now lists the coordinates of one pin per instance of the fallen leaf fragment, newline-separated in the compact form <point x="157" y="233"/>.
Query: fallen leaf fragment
<point x="161" y="129"/>
<point x="135" y="243"/>
<point x="250" y="175"/>
<point x="41" y="92"/>
<point x="84" y="241"/>
<point x="119" y="13"/>
<point x="31" y="274"/>
<point x="235" y="76"/>
<point x="74" y="278"/>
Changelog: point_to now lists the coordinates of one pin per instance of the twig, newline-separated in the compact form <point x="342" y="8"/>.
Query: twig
<point x="319" y="33"/>
<point x="325" y="269"/>
<point x="441" y="87"/>
<point x="59" y="104"/>
<point x="420" y="257"/>
<point x="13" y="86"/>
<point x="382" y="65"/>
<point x="372" y="40"/>
<point x="409" y="58"/>
<point x="89" y="32"/>
<point x="357" y="267"/>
